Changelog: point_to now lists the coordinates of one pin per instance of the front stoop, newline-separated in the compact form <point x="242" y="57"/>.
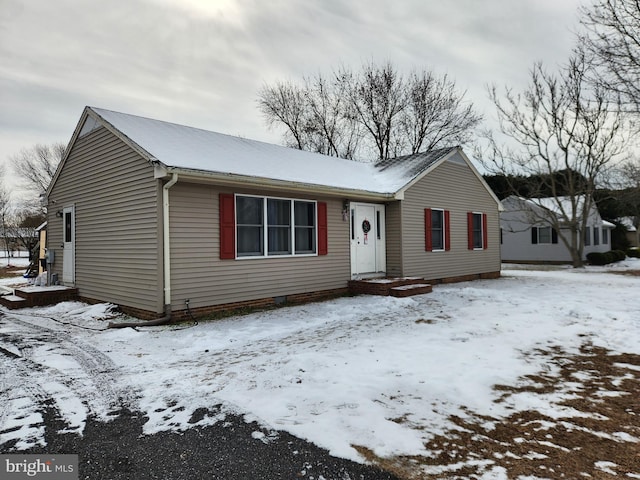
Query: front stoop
<point x="396" y="287"/>
<point x="408" y="290"/>
<point x="38" y="296"/>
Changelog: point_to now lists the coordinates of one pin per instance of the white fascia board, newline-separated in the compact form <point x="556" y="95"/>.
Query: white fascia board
<point x="234" y="180"/>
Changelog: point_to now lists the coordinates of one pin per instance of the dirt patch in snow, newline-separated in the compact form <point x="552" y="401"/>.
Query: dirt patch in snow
<point x="11" y="271"/>
<point x="593" y="433"/>
<point x="633" y="273"/>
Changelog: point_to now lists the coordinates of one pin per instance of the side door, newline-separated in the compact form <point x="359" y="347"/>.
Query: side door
<point x="68" y="245"/>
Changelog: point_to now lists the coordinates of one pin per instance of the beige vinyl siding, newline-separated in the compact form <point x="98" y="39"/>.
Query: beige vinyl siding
<point x="198" y="274"/>
<point x="450" y="186"/>
<point x="393" y="218"/>
<point x="118" y="237"/>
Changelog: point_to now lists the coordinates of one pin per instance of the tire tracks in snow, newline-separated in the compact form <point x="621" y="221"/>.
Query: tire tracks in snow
<point x="78" y="376"/>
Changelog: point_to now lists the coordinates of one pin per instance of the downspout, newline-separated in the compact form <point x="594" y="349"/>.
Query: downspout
<point x="166" y="246"/>
<point x="166" y="243"/>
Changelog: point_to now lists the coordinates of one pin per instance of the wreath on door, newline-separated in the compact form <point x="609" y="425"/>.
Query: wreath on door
<point x="366" y="226"/>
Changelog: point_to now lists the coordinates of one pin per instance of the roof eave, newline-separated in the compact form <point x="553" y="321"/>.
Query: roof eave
<point x="235" y="180"/>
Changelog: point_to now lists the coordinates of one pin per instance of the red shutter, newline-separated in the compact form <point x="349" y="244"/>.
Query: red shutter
<point x="485" y="233"/>
<point x="322" y="229"/>
<point x="227" y="226"/>
<point x="428" y="235"/>
<point x="470" y="230"/>
<point x="447" y="230"/>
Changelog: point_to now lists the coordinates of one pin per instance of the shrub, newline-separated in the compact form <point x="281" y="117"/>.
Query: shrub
<point x="633" y="252"/>
<point x="600" y="258"/>
<point x="619" y="255"/>
<point x="597" y="258"/>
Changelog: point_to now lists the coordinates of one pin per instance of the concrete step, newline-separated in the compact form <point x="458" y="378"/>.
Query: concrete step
<point x="409" y="290"/>
<point x="382" y="286"/>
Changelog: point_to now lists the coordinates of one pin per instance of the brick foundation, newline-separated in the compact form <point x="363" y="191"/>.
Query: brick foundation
<point x="199" y="312"/>
<point x="466" y="278"/>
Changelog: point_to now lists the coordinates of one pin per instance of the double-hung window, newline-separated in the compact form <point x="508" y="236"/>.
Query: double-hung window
<point x="250" y="225"/>
<point x="305" y="227"/>
<point x="587" y="236"/>
<point x="437" y="229"/>
<point x="279" y="226"/>
<point x="543" y="235"/>
<point x="275" y="226"/>
<point x="477" y="231"/>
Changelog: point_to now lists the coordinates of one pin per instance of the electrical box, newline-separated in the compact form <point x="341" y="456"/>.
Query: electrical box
<point x="50" y="256"/>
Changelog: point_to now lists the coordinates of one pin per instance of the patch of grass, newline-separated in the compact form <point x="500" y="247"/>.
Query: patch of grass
<point x="11" y="271"/>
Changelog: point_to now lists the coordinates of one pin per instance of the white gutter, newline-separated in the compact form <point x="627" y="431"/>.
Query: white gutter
<point x="166" y="244"/>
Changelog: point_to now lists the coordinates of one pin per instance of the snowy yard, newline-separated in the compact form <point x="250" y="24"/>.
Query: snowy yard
<point x="430" y="385"/>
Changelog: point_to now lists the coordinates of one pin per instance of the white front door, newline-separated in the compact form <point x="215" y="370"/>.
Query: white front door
<point x="367" y="239"/>
<point x="68" y="245"/>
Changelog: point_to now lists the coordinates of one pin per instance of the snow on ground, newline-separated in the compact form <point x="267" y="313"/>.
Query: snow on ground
<point x="380" y="372"/>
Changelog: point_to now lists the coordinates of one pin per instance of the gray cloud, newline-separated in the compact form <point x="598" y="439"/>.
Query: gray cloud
<point x="202" y="66"/>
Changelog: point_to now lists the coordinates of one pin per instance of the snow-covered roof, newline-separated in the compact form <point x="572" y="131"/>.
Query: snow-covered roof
<point x="628" y="223"/>
<point x="561" y="206"/>
<point x="179" y="147"/>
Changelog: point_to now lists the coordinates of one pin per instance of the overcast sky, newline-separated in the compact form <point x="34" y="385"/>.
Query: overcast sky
<point x="201" y="62"/>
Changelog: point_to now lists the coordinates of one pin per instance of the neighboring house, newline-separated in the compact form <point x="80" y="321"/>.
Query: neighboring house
<point x="157" y="217"/>
<point x="527" y="237"/>
<point x="632" y="234"/>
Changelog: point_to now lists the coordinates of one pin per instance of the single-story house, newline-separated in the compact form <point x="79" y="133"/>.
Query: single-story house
<point x="528" y="235"/>
<point x="158" y="217"/>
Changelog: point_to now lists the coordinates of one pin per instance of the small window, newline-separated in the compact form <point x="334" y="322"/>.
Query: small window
<point x="437" y="229"/>
<point x="587" y="236"/>
<point x="477" y="230"/>
<point x="544" y="235"/>
<point x="596" y="236"/>
<point x="67" y="227"/>
<point x="605" y="236"/>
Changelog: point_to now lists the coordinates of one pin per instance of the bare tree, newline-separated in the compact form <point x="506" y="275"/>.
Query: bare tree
<point x="37" y="165"/>
<point x="284" y="103"/>
<point x="559" y="123"/>
<point x="435" y="113"/>
<point x="375" y="112"/>
<point x="613" y="37"/>
<point x="377" y="97"/>
<point x="629" y="192"/>
<point x="5" y="210"/>
<point x="331" y="129"/>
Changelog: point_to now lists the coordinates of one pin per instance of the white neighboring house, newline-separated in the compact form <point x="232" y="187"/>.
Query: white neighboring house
<point x="527" y="237"/>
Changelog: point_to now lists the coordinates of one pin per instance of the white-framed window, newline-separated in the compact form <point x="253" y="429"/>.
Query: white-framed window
<point x="596" y="236"/>
<point x="437" y="229"/>
<point x="605" y="236"/>
<point x="587" y="236"/>
<point x="543" y="235"/>
<point x="271" y="226"/>
<point x="477" y="233"/>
